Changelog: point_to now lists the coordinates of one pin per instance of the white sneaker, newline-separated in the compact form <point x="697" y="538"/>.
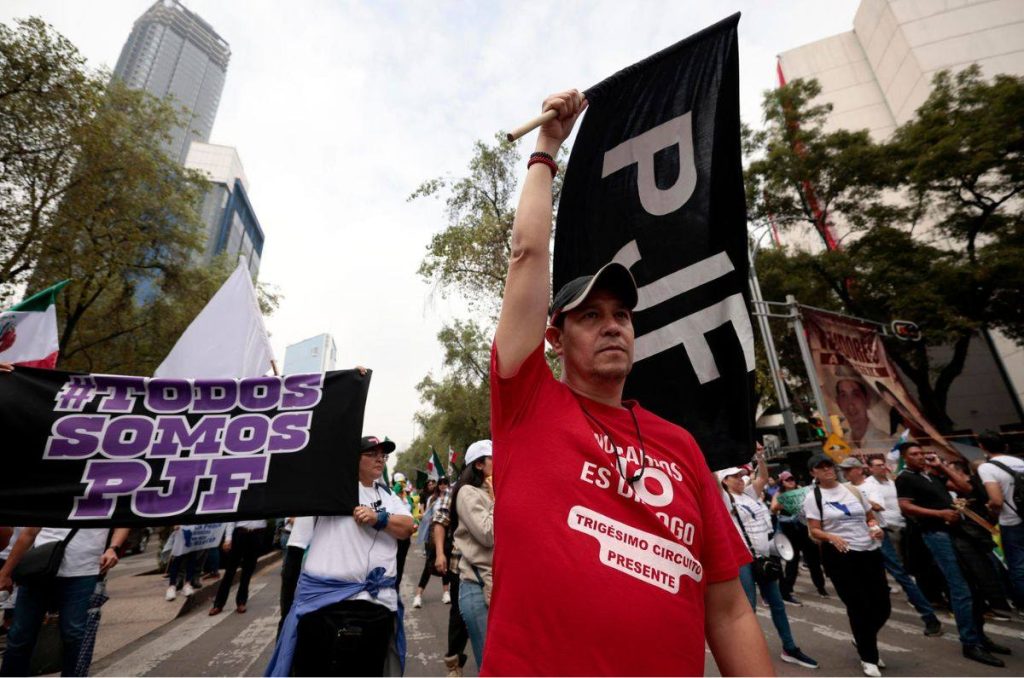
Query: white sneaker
<point x="171" y="594"/>
<point x="417" y="601"/>
<point x="187" y="590"/>
<point x="870" y="670"/>
<point x="881" y="663"/>
<point x="446" y="598"/>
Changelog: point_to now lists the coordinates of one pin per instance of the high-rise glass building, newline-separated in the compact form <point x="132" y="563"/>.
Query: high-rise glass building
<point x="231" y="223"/>
<point x="172" y="51"/>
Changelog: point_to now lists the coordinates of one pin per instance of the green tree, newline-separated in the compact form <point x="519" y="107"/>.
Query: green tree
<point x="958" y="169"/>
<point x="468" y="257"/>
<point x="88" y="193"/>
<point x="46" y="97"/>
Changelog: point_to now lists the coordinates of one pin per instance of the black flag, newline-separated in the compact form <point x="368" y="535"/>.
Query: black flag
<point x="94" y="450"/>
<point x="655" y="182"/>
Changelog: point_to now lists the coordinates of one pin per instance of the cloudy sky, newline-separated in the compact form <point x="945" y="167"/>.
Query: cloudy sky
<point x="340" y="110"/>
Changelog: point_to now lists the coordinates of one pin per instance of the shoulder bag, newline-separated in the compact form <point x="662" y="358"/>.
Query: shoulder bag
<point x="39" y="565"/>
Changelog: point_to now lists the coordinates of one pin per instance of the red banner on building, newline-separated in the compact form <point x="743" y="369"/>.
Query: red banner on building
<point x="861" y="385"/>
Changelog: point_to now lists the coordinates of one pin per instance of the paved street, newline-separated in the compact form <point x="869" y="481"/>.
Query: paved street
<point x="240" y="645"/>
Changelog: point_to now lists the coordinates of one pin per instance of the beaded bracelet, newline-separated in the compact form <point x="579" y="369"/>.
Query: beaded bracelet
<point x="543" y="159"/>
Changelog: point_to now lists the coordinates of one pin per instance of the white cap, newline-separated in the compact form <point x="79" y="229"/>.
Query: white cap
<point x="731" y="471"/>
<point x="478" y="450"/>
<point x="399" y="477"/>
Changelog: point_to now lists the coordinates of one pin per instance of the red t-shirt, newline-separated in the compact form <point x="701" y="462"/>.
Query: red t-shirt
<point x="594" y="575"/>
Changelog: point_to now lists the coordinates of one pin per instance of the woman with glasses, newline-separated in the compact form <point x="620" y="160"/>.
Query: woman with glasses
<point x="344" y="621"/>
<point x="840" y="518"/>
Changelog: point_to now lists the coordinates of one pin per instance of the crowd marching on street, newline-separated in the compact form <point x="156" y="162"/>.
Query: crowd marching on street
<point x="553" y="531"/>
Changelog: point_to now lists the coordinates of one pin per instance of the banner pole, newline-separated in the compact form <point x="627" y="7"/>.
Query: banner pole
<point x="773" y="357"/>
<point x="805" y="352"/>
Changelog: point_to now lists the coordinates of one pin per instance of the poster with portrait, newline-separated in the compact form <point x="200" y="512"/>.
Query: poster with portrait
<point x="860" y="384"/>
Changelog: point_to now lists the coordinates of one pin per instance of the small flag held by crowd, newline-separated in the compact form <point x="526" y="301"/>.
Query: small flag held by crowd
<point x="28" y="331"/>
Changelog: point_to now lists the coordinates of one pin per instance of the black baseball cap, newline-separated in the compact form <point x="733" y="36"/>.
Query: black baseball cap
<point x="368" y="443"/>
<point x="819" y="459"/>
<point x="613" y="276"/>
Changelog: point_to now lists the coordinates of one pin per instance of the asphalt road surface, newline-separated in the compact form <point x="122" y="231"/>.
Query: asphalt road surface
<point x="232" y="644"/>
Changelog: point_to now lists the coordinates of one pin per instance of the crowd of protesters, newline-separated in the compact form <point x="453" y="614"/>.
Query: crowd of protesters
<point x="539" y="597"/>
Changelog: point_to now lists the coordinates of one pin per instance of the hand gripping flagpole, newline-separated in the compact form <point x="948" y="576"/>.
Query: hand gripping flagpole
<point x="531" y="125"/>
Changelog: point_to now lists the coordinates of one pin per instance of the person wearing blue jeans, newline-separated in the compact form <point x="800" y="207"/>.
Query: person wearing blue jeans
<point x="86" y="557"/>
<point x="473" y="526"/>
<point x="751" y="519"/>
<point x="894" y="566"/>
<point x="73" y="594"/>
<point x="473" y="607"/>
<point x="923" y="497"/>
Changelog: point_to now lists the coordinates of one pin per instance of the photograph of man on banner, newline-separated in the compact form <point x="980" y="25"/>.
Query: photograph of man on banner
<point x="861" y="385"/>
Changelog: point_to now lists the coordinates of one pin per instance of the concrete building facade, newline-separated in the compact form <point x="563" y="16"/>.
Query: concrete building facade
<point x="316" y="354"/>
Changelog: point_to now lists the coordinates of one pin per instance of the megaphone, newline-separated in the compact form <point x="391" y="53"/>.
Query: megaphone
<point x="781" y="547"/>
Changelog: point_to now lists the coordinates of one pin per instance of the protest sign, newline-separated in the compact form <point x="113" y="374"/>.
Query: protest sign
<point x="94" y="450"/>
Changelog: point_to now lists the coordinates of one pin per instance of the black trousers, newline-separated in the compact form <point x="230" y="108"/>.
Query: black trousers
<point x="804" y="548"/>
<point x="859" y="578"/>
<point x="403" y="551"/>
<point x="982" y="577"/>
<point x="291" y="568"/>
<point x="458" y="635"/>
<point x="245" y="546"/>
<point x="350" y="638"/>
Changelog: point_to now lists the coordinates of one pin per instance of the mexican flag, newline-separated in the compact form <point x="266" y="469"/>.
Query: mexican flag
<point x="453" y="458"/>
<point x="28" y="331"/>
<point x="435" y="469"/>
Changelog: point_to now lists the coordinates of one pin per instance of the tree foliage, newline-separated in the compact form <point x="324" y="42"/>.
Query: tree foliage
<point x="46" y="98"/>
<point x="468" y="257"/>
<point x="88" y="193"/>
<point x="937" y="227"/>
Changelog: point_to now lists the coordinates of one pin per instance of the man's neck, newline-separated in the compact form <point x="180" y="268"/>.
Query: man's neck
<point x="856" y="484"/>
<point x="366" y="482"/>
<point x="607" y="393"/>
<point x="883" y="479"/>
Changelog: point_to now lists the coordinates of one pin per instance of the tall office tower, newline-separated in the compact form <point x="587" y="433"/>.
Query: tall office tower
<point x="172" y="51"/>
<point x="309" y="356"/>
<point x="231" y="223"/>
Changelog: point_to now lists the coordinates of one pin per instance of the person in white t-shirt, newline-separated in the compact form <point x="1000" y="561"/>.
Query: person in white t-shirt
<point x="881" y="492"/>
<point x="86" y="557"/>
<point x="753" y="521"/>
<point x="840" y="517"/>
<point x="348" y="582"/>
<point x="1000" y="485"/>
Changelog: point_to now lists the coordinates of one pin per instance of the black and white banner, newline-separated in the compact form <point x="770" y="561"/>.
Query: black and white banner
<point x="655" y="182"/>
<point x="95" y="450"/>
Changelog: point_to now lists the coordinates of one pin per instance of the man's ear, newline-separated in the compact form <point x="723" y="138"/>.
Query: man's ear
<point x="553" y="335"/>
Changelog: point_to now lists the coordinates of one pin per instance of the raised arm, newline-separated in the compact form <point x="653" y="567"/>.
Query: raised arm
<point x="524" y="305"/>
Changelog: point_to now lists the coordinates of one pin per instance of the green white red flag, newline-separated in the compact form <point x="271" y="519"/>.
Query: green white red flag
<point x="435" y="467"/>
<point x="28" y="331"/>
<point x="453" y="458"/>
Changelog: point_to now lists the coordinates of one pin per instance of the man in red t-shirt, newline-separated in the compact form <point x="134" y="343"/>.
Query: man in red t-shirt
<point x="613" y="551"/>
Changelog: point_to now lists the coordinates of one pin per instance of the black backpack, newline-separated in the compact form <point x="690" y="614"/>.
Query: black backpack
<point x="1018" y="487"/>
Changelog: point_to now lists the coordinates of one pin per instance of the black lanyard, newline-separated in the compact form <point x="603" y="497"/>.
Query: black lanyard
<point x="620" y="463"/>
